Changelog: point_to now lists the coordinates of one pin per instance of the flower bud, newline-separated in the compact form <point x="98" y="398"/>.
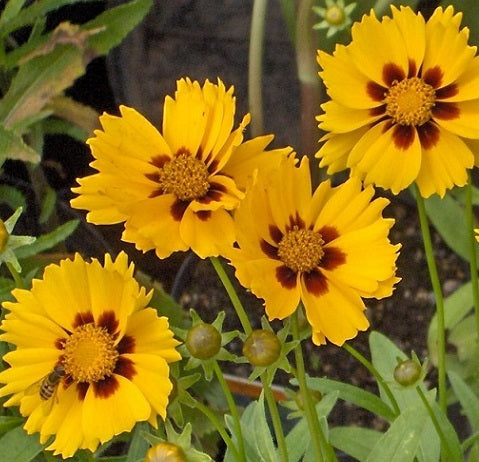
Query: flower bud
<point x="165" y="452"/>
<point x="203" y="341"/>
<point x="262" y="348"/>
<point x="407" y="372"/>
<point x="4" y="235"/>
<point x="334" y="15"/>
<point x="315" y="396"/>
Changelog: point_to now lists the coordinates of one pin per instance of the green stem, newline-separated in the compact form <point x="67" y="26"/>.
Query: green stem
<point x="369" y="366"/>
<point x="255" y="66"/>
<point x="437" y="426"/>
<point x="233" y="409"/>
<point x="219" y="427"/>
<point x="275" y="419"/>
<point x="436" y="286"/>
<point x="315" y="430"/>
<point x="16" y="276"/>
<point x="472" y="252"/>
<point x="237" y="305"/>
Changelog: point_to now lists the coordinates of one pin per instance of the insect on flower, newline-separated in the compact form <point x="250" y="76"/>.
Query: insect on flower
<point x="50" y="382"/>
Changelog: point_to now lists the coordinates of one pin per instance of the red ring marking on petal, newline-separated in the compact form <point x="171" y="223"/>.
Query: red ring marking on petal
<point x="447" y="92"/>
<point x="126" y="345"/>
<point x="204" y="215"/>
<point x="403" y="136"/>
<point x="328" y="233"/>
<point x="275" y="233"/>
<point x="106" y="387"/>
<point x="433" y="77"/>
<point x="375" y="91"/>
<point x="286" y="277"/>
<point x="392" y="73"/>
<point x="332" y="258"/>
<point x="428" y="135"/>
<point x="445" y="111"/>
<point x="178" y="209"/>
<point x="82" y="318"/>
<point x="108" y="321"/>
<point x="125" y="367"/>
<point x="82" y="388"/>
<point x="315" y="282"/>
<point x="270" y="250"/>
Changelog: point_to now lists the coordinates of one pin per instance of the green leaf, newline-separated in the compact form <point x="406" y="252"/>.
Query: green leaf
<point x="352" y="394"/>
<point x="38" y="80"/>
<point x="6" y="286"/>
<point x="138" y="444"/>
<point x="9" y="422"/>
<point x="15" y="18"/>
<point x="257" y="437"/>
<point x="401" y="441"/>
<point x="17" y="446"/>
<point x="447" y="215"/>
<point x="115" y="23"/>
<point x="354" y="441"/>
<point x="298" y="440"/>
<point x="48" y="205"/>
<point x="47" y="241"/>
<point x="13" y="197"/>
<point x="468" y="399"/>
<point x="12" y="146"/>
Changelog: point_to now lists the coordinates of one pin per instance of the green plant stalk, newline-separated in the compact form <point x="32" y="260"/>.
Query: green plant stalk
<point x="243" y="317"/>
<point x="438" y="428"/>
<point x="219" y="427"/>
<point x="472" y="252"/>
<point x="275" y="419"/>
<point x="315" y="430"/>
<point x="16" y="276"/>
<point x="436" y="286"/>
<point x="237" y="305"/>
<point x="233" y="409"/>
<point x="255" y="66"/>
<point x="369" y="366"/>
<point x="382" y="7"/>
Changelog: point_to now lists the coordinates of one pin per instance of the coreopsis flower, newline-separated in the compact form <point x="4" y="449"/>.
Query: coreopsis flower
<point x="404" y="102"/>
<point x="91" y="358"/>
<point x="173" y="190"/>
<point x="327" y="250"/>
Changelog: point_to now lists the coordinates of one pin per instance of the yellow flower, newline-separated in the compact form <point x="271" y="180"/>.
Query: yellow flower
<point x="404" y="102"/>
<point x="327" y="250"/>
<point x="91" y="359"/>
<point x="174" y="191"/>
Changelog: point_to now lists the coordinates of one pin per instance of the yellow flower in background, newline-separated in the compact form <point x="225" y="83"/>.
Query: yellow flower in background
<point x="404" y="102"/>
<point x="326" y="250"/>
<point x="173" y="190"/>
<point x="91" y="358"/>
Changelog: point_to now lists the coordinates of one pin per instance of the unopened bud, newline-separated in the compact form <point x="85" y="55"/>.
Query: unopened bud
<point x="165" y="452"/>
<point x="407" y="372"/>
<point x="262" y="348"/>
<point x="203" y="341"/>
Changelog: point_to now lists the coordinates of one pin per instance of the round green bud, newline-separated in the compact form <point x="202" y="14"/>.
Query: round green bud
<point x="335" y="15"/>
<point x="203" y="341"/>
<point x="262" y="348"/>
<point x="407" y="372"/>
<point x="165" y="452"/>
<point x="315" y="396"/>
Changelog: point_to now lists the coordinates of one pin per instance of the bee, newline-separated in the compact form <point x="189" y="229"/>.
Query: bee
<point x="50" y="382"/>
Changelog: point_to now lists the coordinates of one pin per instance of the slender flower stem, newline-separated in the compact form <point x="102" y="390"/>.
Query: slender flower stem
<point x="237" y="305"/>
<point x="369" y="366"/>
<point x="16" y="276"/>
<point x="255" y="66"/>
<point x="233" y="409"/>
<point x="275" y="419"/>
<point x="472" y="252"/>
<point x="436" y="286"/>
<point x="315" y="430"/>
<point x="219" y="427"/>
<point x="240" y="311"/>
